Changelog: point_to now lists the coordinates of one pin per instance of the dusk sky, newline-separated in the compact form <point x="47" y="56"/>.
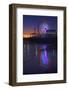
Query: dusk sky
<point x="30" y="22"/>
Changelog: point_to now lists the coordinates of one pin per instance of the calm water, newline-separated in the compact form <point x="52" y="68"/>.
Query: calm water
<point x="39" y="59"/>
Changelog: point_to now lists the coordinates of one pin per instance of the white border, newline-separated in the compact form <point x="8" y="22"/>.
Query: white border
<point x="38" y="77"/>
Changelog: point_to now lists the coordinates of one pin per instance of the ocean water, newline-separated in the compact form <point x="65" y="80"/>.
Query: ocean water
<point x="39" y="58"/>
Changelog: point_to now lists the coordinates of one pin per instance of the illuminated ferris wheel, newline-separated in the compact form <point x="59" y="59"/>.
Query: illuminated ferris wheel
<point x="43" y="28"/>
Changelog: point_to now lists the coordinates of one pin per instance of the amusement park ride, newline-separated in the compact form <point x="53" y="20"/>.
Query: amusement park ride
<point x="41" y="32"/>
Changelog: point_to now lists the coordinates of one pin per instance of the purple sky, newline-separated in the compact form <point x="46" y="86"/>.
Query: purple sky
<point x="30" y="22"/>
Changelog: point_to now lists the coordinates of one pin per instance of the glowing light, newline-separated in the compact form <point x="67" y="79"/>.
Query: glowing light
<point x="44" y="27"/>
<point x="43" y="57"/>
<point x="26" y="36"/>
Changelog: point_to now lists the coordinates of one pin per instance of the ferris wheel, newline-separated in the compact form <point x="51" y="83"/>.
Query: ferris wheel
<point x="43" y="27"/>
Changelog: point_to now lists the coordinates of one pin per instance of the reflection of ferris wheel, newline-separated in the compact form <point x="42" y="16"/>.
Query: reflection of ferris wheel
<point x="43" y="27"/>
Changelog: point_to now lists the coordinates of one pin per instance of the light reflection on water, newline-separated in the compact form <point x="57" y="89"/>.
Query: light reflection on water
<point x="39" y="59"/>
<point x="43" y="57"/>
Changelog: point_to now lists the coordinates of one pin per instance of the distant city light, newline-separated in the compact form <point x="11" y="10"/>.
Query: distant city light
<point x="26" y="35"/>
